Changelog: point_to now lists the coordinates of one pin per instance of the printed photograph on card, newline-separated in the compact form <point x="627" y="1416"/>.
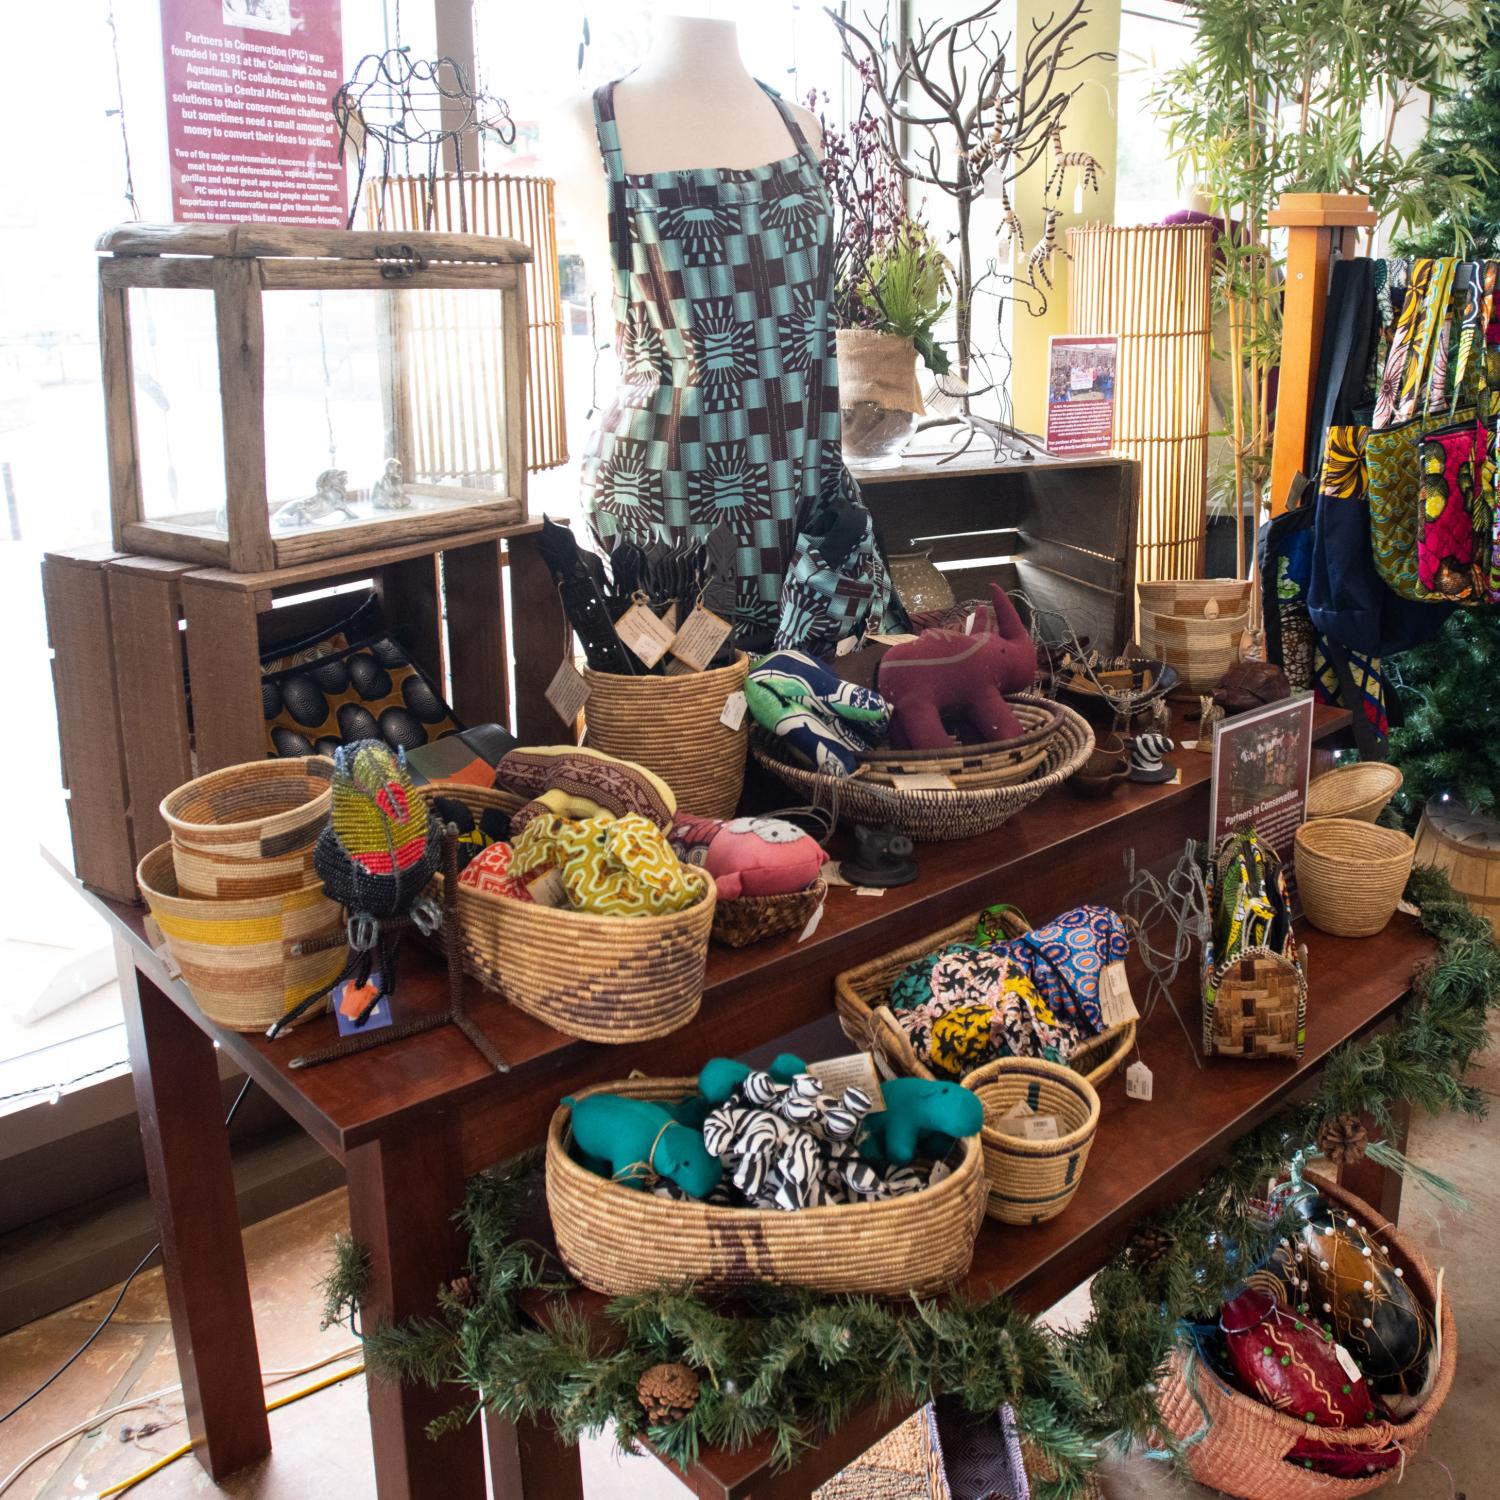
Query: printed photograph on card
<point x="1081" y="392"/>
<point x="1262" y="764"/>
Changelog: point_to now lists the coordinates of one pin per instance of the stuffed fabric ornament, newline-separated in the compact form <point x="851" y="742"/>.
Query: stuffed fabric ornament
<point x="963" y="678"/>
<point x="572" y="781"/>
<point x="490" y="871"/>
<point x="622" y="867"/>
<point x="1290" y="1363"/>
<point x="631" y="1141"/>
<point x="825" y="721"/>
<point x="1342" y="1272"/>
<point x="721" y="1076"/>
<point x="749" y="856"/>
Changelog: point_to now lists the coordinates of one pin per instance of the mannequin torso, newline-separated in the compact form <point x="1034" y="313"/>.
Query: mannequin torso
<point x="692" y="103"/>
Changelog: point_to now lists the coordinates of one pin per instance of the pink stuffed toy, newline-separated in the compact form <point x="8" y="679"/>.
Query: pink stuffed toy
<point x="749" y="856"/>
<point x="963" y="676"/>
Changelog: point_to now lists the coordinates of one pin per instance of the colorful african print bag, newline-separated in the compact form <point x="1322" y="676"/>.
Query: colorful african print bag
<point x="836" y="584"/>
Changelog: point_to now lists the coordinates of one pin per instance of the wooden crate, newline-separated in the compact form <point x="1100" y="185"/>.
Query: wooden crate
<point x="130" y="633"/>
<point x="1060" y="530"/>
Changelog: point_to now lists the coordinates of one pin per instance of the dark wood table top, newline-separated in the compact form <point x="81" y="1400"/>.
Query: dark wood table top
<point x="1062" y="850"/>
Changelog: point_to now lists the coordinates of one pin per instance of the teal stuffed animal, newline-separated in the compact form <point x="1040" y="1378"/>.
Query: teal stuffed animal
<point x="919" y="1112"/>
<point x="721" y="1076"/>
<point x="627" y="1139"/>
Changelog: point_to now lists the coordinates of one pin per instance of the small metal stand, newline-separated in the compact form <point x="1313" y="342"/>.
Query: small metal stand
<point x="456" y="1014"/>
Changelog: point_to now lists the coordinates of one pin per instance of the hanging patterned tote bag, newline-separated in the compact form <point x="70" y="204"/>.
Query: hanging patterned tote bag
<point x="1393" y="445"/>
<point x="1456" y="543"/>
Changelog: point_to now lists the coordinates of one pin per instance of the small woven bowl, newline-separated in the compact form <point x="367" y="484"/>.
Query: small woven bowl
<point x="1350" y="874"/>
<point x="1360" y="791"/>
<point x="751" y="919"/>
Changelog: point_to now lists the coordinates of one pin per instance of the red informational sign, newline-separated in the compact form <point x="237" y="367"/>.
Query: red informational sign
<point x="250" y="128"/>
<point x="1081" y="393"/>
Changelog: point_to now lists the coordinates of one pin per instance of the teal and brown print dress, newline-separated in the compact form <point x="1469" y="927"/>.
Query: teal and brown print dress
<point x="727" y="410"/>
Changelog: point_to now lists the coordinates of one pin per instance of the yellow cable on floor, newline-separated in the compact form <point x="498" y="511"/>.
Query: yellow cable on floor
<point x="176" y="1453"/>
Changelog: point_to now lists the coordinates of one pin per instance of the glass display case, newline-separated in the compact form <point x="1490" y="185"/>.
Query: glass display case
<point x="278" y="396"/>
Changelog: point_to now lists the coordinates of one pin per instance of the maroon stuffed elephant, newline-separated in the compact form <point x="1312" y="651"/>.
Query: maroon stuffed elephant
<point x="965" y="677"/>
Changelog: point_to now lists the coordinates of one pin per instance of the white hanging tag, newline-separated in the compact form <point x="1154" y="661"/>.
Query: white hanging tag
<point x="923" y="781"/>
<point x="855" y="1070"/>
<point x="812" y="921"/>
<point x="545" y="887"/>
<point x="700" y="637"/>
<point x="845" y="646"/>
<point x="869" y="890"/>
<point x="1039" y="1128"/>
<point x="1116" y="1004"/>
<point x="734" y="710"/>
<point x="1346" y="1359"/>
<point x="567" y="692"/>
<point x="1138" y="1081"/>
<point x="647" y="636"/>
<point x="969" y="622"/>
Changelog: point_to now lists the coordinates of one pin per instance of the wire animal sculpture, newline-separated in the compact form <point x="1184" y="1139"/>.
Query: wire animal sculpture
<point x="408" y="106"/>
<point x="1084" y="162"/>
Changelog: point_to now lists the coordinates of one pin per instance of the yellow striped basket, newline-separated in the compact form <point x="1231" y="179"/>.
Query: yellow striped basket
<point x="235" y="956"/>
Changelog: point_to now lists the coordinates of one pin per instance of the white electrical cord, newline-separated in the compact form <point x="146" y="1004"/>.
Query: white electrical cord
<point x="268" y="1377"/>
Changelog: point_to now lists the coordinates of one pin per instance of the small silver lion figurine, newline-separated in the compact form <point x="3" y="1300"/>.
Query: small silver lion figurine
<point x="389" y="492"/>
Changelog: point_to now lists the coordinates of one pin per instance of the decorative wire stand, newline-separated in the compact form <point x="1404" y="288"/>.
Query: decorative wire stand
<point x="1180" y="904"/>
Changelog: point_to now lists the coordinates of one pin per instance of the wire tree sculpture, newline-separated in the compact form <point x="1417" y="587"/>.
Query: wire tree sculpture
<point x="407" y="106"/>
<point x="960" y="116"/>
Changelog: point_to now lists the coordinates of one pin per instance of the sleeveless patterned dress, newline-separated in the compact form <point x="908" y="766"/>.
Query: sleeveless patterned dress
<point x="728" y="409"/>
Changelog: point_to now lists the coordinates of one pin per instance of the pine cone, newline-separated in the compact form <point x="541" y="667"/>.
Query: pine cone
<point x="667" y="1393"/>
<point x="1148" y="1249"/>
<point x="462" y="1288"/>
<point x="1342" y="1139"/>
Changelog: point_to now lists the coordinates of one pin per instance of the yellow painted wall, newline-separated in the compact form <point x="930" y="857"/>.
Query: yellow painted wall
<point x="1090" y="126"/>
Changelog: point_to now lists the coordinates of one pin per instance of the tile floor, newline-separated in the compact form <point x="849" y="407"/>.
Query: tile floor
<point x="321" y="1444"/>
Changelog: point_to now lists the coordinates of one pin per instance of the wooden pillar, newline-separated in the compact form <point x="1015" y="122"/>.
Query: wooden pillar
<point x="1319" y="224"/>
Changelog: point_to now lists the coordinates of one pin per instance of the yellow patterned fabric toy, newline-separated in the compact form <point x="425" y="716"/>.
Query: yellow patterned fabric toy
<point x="622" y="867"/>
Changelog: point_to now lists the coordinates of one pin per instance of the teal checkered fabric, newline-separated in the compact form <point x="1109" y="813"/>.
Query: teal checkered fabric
<point x="728" y="406"/>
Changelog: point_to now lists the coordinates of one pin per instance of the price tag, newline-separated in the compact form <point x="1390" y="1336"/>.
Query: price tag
<point x="1346" y="1359"/>
<point x="845" y="646"/>
<point x="1138" y="1081"/>
<point x="969" y="621"/>
<point x="923" y="781"/>
<point x="567" y="692"/>
<point x="649" y="637"/>
<point x="1039" y="1128"/>
<point x="670" y="618"/>
<point x="700" y="638"/>
<point x="869" y="890"/>
<point x="857" y="1070"/>
<point x="734" y="710"/>
<point x="544" y="886"/>
<point x="812" y="921"/>
<point x="890" y="638"/>
<point x="1116" y="1005"/>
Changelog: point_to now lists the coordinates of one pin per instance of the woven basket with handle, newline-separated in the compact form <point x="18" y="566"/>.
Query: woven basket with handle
<point x="1239" y="1445"/>
<point x="750" y="919"/>
<point x="1033" y="1181"/>
<point x="249" y="830"/>
<point x="236" y="955"/>
<point x="1360" y="791"/>
<point x="617" y="1239"/>
<point x="1350" y="874"/>
<point x="860" y="994"/>
<point x="602" y="978"/>
<point x="671" y="725"/>
<point x="934" y="814"/>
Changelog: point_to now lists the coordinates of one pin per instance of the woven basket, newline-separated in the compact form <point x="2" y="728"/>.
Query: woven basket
<point x="1190" y="596"/>
<point x="935" y="815"/>
<point x="1033" y="1181"/>
<point x="671" y="726"/>
<point x="749" y="919"/>
<point x="235" y="956"/>
<point x="859" y="997"/>
<point x="1350" y="875"/>
<point x="1202" y="650"/>
<point x="249" y="830"/>
<point x="1360" y="791"/>
<point x="970" y="767"/>
<point x="1239" y="1445"/>
<point x="1259" y="1007"/>
<point x="617" y="1240"/>
<point x="605" y="979"/>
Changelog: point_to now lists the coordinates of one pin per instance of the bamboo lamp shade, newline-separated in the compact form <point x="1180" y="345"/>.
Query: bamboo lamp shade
<point x="519" y="208"/>
<point x="1150" y="285"/>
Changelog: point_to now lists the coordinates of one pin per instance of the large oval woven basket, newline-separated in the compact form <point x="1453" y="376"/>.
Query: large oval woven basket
<point x="860" y="994"/>
<point x="1239" y="1445"/>
<point x="932" y="815"/>
<point x="249" y="830"/>
<point x="605" y="979"/>
<point x="671" y="725"/>
<point x="236" y="956"/>
<point x="616" y="1239"/>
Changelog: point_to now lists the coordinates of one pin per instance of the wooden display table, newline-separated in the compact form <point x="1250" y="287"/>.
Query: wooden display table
<point x="411" y="1122"/>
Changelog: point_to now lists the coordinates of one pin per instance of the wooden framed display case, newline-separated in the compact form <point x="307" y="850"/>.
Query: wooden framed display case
<point x="276" y="396"/>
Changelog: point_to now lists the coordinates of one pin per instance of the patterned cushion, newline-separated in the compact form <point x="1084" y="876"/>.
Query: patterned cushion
<point x="490" y="870"/>
<point x="572" y="781"/>
<point x="620" y="867"/>
<point x="827" y="722"/>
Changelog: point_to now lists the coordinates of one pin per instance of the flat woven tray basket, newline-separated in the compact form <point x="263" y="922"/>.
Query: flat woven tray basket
<point x="932" y="815"/>
<point x="1240" y="1445"/>
<point x="617" y="1240"/>
<point x="602" y="978"/>
<point x="860" y="994"/>
<point x="972" y="767"/>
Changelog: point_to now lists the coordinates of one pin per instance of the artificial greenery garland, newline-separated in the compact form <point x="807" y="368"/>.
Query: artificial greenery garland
<point x="793" y="1365"/>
